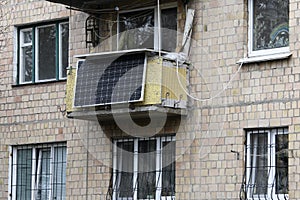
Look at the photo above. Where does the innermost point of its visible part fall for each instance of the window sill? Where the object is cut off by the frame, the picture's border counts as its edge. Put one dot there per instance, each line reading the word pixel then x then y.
pixel 264 58
pixel 39 83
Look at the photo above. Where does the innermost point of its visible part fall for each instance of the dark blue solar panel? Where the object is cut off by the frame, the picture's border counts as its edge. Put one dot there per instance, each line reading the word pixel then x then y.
pixel 110 79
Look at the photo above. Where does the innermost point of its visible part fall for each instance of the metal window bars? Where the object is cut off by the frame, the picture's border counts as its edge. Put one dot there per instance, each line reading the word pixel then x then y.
pixel 266 167
pixel 143 169
pixel 38 172
pixel 92 28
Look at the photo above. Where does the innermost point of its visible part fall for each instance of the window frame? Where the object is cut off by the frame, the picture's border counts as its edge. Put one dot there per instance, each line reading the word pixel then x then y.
pixel 156 23
pixel 271 159
pixel 34 43
pixel 22 44
pixel 35 167
pixel 264 52
pixel 60 41
pixel 158 168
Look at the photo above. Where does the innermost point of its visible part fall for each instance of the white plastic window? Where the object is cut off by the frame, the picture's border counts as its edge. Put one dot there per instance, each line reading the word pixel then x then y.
pixel 268 27
pixel 38 172
pixel 267 164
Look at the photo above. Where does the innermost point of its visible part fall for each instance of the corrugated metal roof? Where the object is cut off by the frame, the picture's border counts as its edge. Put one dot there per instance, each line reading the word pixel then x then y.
pixel 88 3
pixel 104 4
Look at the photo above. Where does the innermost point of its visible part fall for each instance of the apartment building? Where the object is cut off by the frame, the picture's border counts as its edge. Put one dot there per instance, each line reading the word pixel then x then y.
pixel 144 99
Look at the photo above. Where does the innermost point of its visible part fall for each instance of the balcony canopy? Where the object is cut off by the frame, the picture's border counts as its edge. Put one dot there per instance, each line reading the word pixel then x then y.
pixel 93 5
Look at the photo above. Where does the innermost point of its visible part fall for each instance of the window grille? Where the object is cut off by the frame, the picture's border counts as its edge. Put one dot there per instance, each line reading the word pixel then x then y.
pixel 39 172
pixel 266 171
pixel 143 169
pixel 92 31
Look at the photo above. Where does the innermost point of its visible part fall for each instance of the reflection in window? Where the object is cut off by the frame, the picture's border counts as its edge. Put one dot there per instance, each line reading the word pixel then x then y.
pixel 281 164
pixel 168 175
pixel 169 29
pixel 259 158
pixel 270 24
pixel 26 58
pixel 47 52
pixel 137 30
pixel 64 42
pixel 146 168
pixel 124 166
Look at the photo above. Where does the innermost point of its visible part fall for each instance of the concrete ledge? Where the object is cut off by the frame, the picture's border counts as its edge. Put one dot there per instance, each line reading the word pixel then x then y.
pixel 133 112
pixel 264 58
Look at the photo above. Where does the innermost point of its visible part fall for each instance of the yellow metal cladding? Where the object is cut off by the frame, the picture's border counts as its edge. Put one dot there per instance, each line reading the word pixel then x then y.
pixel 174 82
pixel 153 82
pixel 71 77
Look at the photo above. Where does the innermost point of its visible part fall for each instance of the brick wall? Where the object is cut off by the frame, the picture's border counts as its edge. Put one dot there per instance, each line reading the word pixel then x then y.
pixel 33 114
pixel 262 94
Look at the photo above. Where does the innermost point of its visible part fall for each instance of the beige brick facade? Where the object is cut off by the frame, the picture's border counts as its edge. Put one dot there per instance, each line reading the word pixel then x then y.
pixel 225 99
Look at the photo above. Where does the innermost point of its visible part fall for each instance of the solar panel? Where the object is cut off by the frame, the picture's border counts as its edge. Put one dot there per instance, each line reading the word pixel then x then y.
pixel 110 79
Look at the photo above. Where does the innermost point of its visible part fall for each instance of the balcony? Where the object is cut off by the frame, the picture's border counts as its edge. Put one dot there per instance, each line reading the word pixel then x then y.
pixel 132 73
pixel 135 82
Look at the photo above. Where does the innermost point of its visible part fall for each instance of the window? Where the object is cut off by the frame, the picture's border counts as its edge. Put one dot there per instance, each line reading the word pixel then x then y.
pixel 138 29
pixel 268 27
pixel 38 172
pixel 267 164
pixel 144 169
pixel 43 53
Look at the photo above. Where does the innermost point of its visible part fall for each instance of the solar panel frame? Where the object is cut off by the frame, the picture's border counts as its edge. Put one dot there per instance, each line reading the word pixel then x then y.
pixel 142 83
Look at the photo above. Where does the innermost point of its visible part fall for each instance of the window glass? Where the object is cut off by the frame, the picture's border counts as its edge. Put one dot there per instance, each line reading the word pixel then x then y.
pixel 27 37
pixel 64 32
pixel 27 63
pixel 24 171
pixel 125 169
pixel 270 24
pixel 59 178
pixel 136 30
pixel 169 29
pixel 26 55
pixel 139 29
pixel 146 168
pixel 168 175
pixel 259 157
pixel 282 164
pixel 43 53
pixel 266 164
pixel 43 174
pixel 39 172
pixel 47 52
